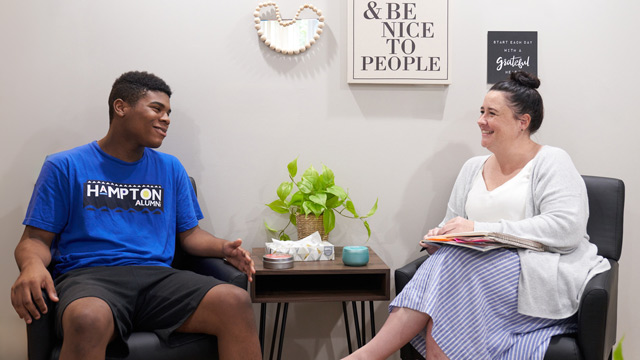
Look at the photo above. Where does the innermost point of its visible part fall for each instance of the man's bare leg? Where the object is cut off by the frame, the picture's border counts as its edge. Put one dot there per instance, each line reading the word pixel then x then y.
pixel 226 312
pixel 87 324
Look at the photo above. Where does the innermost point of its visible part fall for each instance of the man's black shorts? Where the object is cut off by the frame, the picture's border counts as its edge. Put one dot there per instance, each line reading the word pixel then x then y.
pixel 141 298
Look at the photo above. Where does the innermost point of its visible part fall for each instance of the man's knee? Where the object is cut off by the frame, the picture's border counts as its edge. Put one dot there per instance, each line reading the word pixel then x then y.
pixel 223 307
pixel 230 296
pixel 229 303
pixel 88 318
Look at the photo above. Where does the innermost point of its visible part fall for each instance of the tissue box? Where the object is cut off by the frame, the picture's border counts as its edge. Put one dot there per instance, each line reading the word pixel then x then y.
pixel 310 248
pixel 310 252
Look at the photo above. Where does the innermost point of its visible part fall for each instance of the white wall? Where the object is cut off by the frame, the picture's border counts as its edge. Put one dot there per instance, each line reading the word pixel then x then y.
pixel 242 112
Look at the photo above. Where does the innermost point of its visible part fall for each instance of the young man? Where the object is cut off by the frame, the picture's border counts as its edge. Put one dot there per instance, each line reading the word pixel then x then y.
pixel 107 214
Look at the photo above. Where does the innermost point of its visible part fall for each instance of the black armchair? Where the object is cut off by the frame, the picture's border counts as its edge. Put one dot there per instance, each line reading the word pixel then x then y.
pixel 43 343
pixel 597 314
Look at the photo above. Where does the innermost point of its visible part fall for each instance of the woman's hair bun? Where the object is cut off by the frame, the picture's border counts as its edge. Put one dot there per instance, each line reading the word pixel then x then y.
pixel 525 79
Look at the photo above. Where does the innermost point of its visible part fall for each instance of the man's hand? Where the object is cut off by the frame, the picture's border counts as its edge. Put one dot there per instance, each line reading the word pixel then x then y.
pixel 33 255
pixel 26 292
pixel 198 242
pixel 239 257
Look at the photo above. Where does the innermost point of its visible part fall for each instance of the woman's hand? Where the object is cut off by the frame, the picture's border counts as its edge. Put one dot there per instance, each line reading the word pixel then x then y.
pixel 431 248
pixel 433 232
pixel 456 225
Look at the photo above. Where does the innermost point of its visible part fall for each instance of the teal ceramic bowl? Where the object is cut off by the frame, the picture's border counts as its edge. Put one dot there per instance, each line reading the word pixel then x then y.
pixel 355 255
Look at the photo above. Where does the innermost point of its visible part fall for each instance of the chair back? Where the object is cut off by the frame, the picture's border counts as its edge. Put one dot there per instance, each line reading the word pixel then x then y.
pixel 606 214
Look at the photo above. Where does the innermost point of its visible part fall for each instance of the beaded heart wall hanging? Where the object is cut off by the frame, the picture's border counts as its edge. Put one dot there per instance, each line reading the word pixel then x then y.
pixel 289 37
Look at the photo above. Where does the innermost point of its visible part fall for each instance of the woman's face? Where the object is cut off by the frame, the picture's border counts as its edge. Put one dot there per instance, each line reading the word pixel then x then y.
pixel 498 123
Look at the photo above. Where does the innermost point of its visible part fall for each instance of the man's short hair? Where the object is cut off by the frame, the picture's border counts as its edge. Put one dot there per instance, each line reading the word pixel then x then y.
pixel 133 85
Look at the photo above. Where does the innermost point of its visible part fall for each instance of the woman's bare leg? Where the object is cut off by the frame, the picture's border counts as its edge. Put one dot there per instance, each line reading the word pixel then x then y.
pixel 433 350
pixel 402 325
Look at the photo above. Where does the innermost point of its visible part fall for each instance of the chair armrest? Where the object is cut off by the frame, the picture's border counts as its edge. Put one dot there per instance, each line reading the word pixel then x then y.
pixel 219 269
pixel 405 273
pixel 597 315
pixel 41 333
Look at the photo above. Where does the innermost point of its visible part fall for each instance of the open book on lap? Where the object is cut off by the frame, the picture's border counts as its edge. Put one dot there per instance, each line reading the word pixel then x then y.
pixel 484 241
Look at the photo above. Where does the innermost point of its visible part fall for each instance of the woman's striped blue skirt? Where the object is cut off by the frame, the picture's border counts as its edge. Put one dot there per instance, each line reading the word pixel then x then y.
pixel 472 297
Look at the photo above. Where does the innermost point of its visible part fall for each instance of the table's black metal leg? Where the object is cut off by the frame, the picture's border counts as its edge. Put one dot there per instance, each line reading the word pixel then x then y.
pixel 275 332
pixel 373 319
pixel 263 314
pixel 356 323
pixel 284 322
pixel 346 325
pixel 363 318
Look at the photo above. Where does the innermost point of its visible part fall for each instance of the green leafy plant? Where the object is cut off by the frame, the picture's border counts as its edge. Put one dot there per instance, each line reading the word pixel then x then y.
pixel 316 194
pixel 617 352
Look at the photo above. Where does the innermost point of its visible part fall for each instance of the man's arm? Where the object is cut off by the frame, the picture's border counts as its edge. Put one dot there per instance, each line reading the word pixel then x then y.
pixel 33 255
pixel 196 241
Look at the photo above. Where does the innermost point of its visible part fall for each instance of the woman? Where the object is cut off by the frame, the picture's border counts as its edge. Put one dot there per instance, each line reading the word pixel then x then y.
pixel 505 303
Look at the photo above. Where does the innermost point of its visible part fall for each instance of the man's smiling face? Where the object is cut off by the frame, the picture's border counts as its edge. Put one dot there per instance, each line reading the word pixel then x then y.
pixel 147 121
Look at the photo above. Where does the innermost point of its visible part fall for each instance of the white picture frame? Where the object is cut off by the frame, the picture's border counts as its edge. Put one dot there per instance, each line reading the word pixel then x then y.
pixel 397 42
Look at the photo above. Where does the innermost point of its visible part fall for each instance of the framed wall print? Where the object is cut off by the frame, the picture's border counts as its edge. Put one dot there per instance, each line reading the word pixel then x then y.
pixel 509 51
pixel 394 42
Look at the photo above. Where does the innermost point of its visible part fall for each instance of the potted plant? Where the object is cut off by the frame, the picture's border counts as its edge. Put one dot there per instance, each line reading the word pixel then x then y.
pixel 617 352
pixel 315 203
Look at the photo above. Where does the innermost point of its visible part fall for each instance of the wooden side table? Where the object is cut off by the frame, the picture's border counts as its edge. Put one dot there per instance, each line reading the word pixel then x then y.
pixel 320 281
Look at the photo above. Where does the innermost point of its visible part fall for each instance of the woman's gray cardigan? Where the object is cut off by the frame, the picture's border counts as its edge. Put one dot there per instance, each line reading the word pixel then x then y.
pixel 557 211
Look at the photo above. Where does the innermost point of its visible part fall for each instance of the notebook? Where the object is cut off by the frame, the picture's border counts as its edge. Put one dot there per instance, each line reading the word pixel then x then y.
pixel 484 241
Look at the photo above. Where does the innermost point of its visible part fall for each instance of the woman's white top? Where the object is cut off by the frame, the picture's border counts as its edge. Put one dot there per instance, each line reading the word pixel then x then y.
pixel 506 202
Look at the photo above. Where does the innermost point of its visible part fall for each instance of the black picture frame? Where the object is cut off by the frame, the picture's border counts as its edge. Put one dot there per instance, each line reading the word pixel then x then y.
pixel 509 51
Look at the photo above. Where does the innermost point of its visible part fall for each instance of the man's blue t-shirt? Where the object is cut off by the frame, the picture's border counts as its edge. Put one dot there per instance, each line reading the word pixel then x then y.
pixel 108 212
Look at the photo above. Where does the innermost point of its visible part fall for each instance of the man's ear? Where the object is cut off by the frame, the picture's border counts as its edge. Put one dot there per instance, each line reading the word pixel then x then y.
pixel 120 107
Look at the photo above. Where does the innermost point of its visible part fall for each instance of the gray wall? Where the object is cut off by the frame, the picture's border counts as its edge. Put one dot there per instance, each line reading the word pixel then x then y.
pixel 242 112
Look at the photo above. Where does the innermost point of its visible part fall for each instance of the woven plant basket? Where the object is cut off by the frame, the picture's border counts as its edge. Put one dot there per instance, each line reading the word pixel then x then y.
pixel 307 225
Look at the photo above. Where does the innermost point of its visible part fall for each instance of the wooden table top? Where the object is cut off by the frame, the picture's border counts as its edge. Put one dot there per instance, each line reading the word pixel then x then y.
pixel 321 280
pixel 375 265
